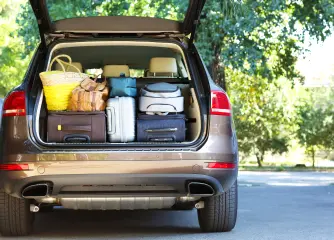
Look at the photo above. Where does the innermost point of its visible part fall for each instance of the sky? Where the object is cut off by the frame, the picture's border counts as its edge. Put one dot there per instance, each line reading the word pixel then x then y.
pixel 318 64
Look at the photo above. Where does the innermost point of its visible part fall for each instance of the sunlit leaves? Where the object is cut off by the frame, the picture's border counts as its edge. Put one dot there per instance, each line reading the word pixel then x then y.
pixel 264 113
pixel 12 63
pixel 263 38
pixel 316 123
pixel 28 28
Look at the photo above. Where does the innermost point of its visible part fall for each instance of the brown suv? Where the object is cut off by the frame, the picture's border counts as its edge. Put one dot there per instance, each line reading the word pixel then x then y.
pixel 200 172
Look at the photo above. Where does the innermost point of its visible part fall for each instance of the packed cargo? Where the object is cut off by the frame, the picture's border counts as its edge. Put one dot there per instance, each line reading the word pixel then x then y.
pixel 109 105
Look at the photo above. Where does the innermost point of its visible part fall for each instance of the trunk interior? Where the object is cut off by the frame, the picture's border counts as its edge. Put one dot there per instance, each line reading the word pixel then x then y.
pixel 137 56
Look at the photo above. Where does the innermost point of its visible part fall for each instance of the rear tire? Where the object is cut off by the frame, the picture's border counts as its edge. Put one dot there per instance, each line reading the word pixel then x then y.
pixel 15 216
pixel 220 212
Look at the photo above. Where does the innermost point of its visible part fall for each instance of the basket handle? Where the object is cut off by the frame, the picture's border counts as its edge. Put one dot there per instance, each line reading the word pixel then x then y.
pixel 62 63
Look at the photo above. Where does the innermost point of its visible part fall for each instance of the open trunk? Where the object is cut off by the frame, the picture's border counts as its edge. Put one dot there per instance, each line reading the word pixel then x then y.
pixel 136 55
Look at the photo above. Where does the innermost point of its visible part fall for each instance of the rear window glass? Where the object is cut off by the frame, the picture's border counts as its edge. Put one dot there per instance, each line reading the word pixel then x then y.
pixel 137 73
pixel 167 9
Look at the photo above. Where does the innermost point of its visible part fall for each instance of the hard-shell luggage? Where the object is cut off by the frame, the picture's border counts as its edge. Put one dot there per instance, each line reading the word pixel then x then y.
pixel 161 98
pixel 157 128
pixel 76 127
pixel 121 117
pixel 163 90
pixel 122 87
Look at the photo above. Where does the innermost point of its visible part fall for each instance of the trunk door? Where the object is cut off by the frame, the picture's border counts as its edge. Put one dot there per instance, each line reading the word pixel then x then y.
pixel 170 19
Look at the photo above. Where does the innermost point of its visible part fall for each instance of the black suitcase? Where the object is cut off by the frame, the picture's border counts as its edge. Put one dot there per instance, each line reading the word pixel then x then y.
pixel 161 128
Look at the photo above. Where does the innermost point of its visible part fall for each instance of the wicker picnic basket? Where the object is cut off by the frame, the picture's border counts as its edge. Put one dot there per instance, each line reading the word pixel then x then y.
pixel 58 85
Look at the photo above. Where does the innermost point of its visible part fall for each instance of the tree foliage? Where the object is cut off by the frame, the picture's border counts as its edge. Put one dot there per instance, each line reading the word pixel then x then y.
pixel 264 114
pixel 168 9
pixel 316 122
pixel 12 63
pixel 261 38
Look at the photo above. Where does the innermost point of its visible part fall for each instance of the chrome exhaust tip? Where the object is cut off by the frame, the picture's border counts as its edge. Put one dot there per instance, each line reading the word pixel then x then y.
pixel 40 190
pixel 200 189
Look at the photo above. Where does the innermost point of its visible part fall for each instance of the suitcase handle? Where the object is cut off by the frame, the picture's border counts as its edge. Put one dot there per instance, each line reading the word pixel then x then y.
pixel 111 120
pixel 165 104
pixel 78 128
pixel 161 130
pixel 76 138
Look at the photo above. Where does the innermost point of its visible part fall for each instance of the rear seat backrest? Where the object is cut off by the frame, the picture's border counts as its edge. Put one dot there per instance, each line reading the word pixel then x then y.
pixel 69 68
pixel 161 66
pixel 116 70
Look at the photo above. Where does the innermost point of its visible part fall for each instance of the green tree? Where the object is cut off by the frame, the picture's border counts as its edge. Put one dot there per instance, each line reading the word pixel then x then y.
pixel 261 38
pixel 168 9
pixel 12 62
pixel 58 9
pixel 310 130
pixel 316 121
pixel 263 113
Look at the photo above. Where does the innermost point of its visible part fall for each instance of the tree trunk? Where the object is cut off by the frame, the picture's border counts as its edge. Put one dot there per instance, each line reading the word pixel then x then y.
pixel 260 157
pixel 313 157
pixel 218 71
pixel 259 160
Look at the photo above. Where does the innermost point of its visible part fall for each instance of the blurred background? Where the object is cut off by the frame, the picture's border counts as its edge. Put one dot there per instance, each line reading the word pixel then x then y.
pixel 275 59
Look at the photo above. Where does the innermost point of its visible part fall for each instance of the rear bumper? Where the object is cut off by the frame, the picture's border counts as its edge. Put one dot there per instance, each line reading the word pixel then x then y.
pixel 84 179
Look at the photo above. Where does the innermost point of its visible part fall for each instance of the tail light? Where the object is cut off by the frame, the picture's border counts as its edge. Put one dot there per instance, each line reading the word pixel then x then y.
pixel 14 167
pixel 15 104
pixel 220 104
pixel 221 165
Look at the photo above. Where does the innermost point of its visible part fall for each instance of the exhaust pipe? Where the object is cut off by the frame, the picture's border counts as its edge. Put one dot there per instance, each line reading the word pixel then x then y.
pixel 36 191
pixel 200 189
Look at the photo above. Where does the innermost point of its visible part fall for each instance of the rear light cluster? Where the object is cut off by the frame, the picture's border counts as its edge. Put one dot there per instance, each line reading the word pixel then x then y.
pixel 14 167
pixel 220 104
pixel 15 104
pixel 221 165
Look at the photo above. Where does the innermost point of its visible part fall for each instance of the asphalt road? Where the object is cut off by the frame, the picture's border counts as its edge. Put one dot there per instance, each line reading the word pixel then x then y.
pixel 271 206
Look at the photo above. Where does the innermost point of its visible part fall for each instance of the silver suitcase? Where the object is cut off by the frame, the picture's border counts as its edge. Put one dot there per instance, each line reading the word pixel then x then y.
pixel 121 119
pixel 161 98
